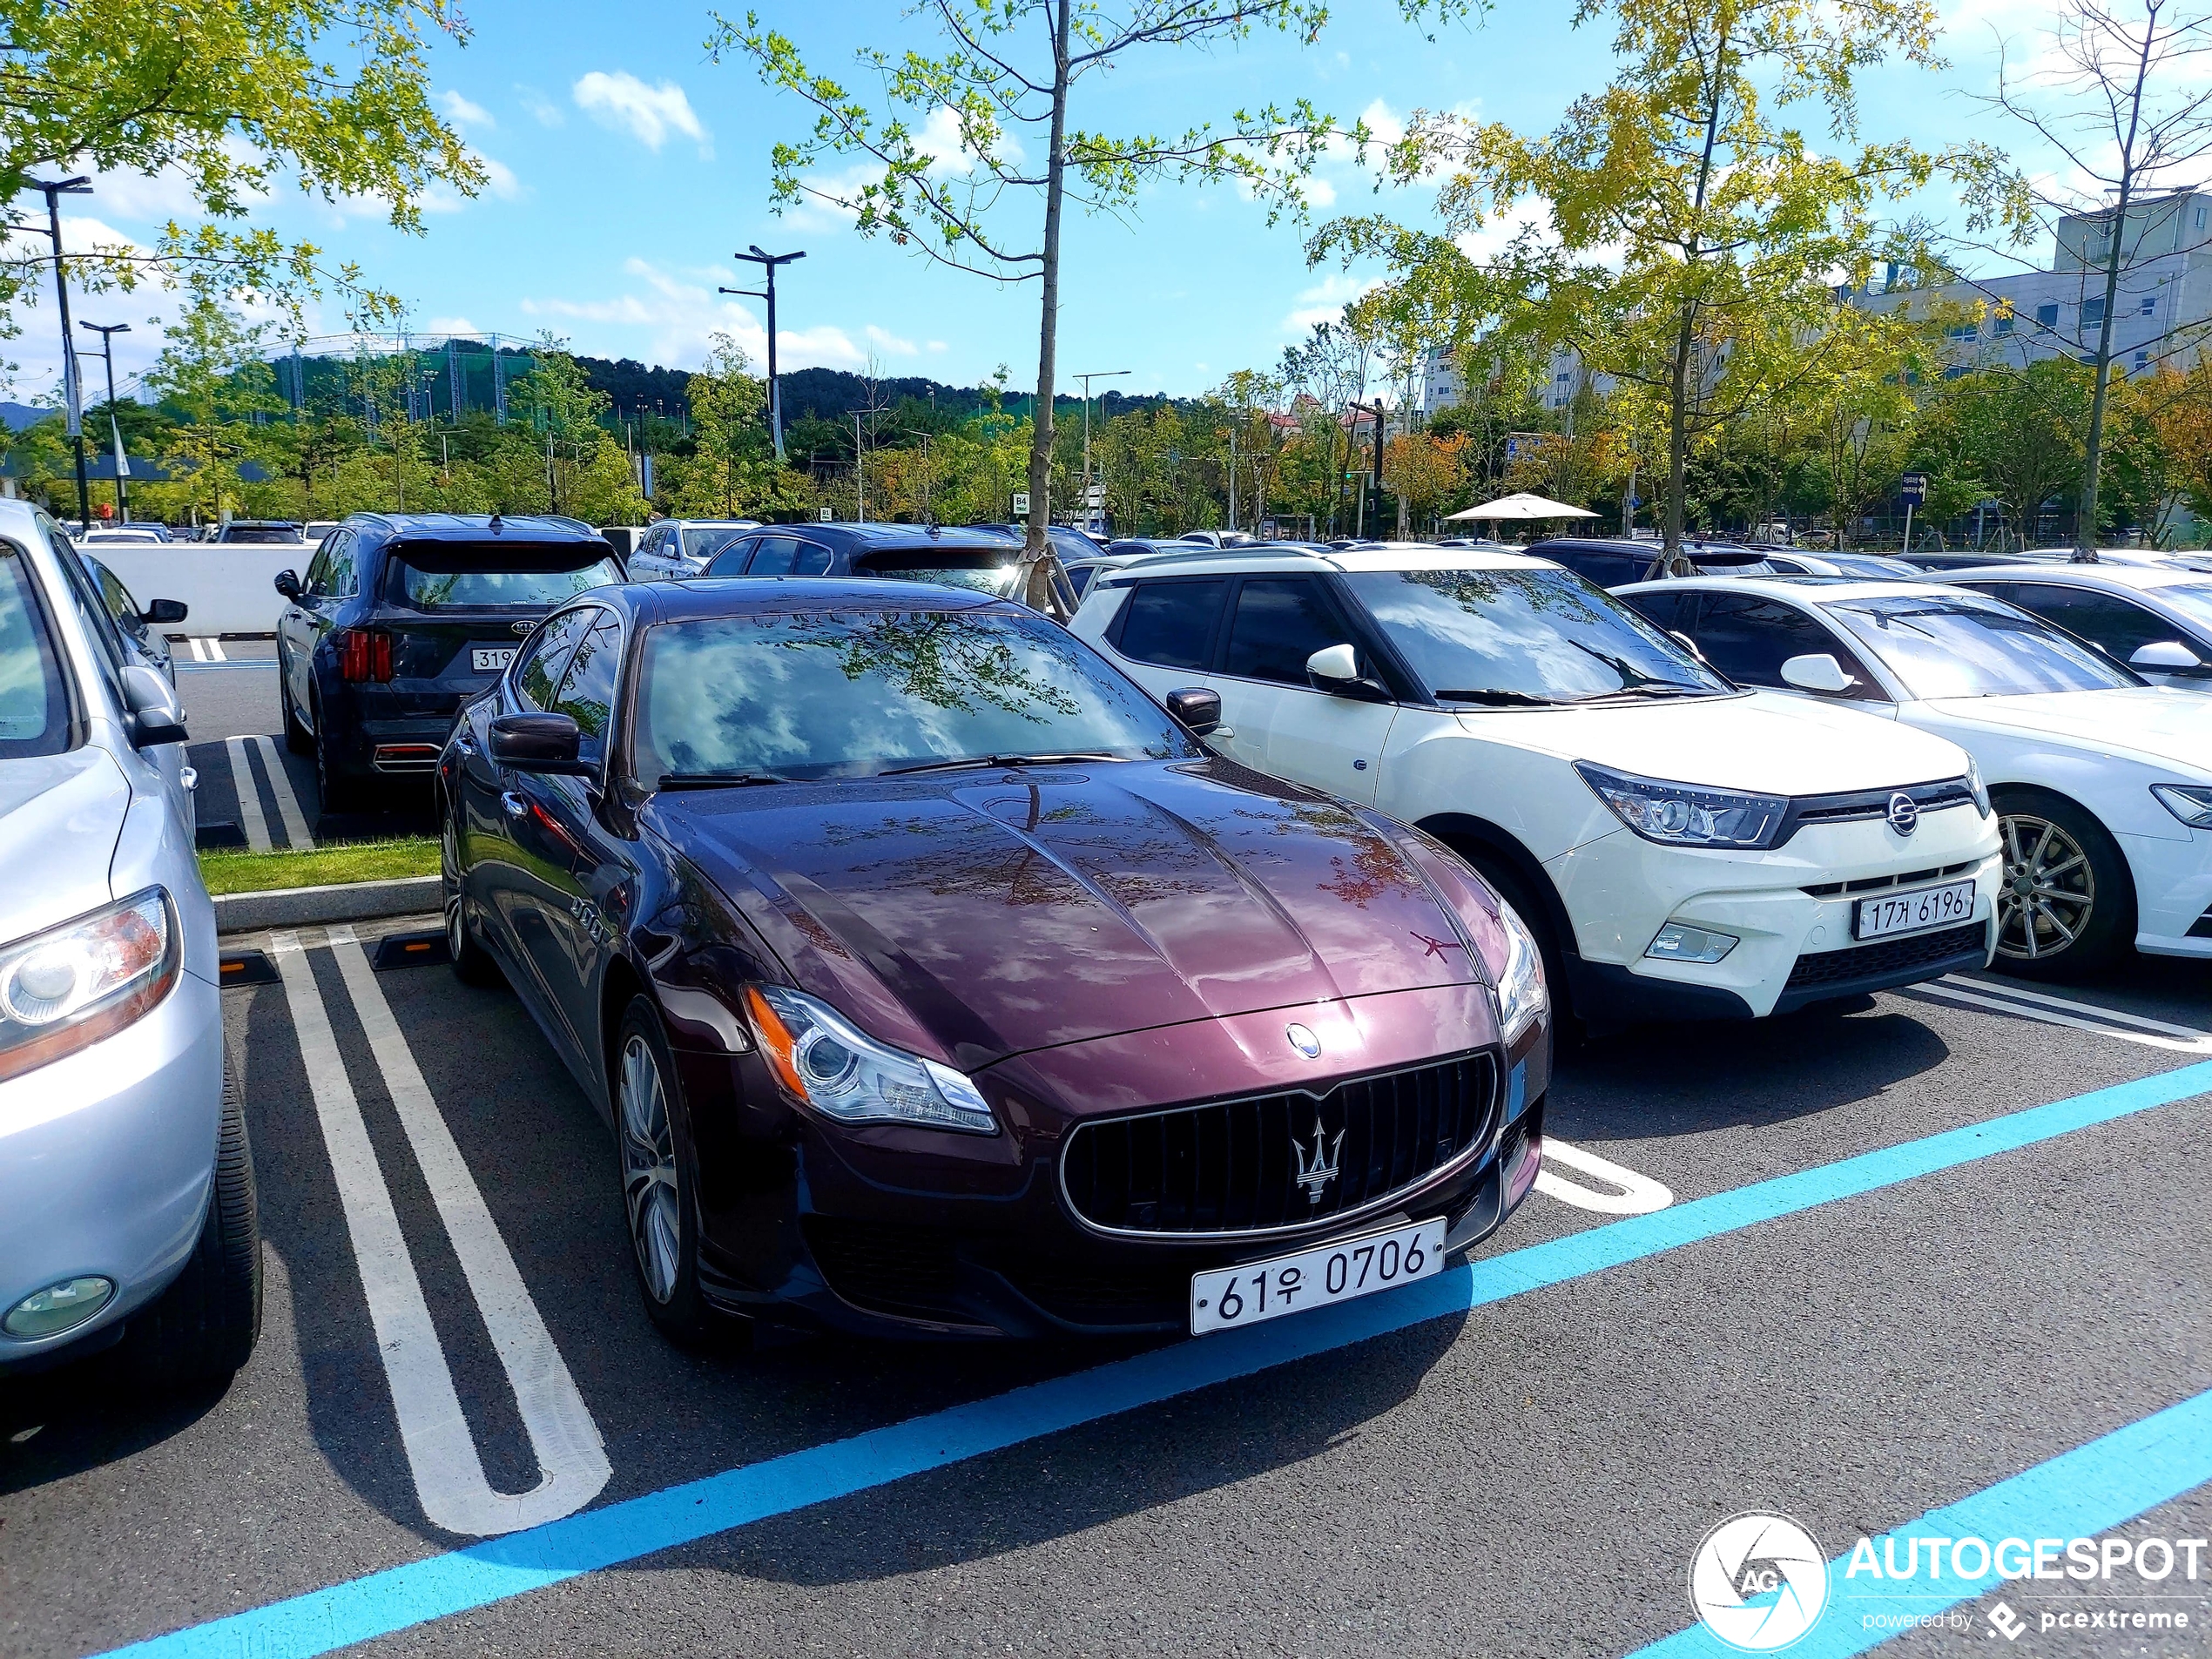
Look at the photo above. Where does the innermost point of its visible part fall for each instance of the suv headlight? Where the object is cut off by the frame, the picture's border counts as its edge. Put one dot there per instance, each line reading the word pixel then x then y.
pixel 2191 803
pixel 1975 787
pixel 1684 814
pixel 66 988
pixel 841 1071
pixel 1521 994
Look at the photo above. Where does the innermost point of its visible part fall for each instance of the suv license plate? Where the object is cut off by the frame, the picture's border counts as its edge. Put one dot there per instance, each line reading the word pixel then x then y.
pixel 1911 913
pixel 491 659
pixel 1333 1272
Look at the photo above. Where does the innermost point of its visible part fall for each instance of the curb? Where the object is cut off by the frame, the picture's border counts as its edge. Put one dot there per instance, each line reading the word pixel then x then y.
pixel 342 901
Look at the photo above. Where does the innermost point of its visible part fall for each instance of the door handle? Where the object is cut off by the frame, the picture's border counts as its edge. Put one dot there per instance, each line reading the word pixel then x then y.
pixel 188 778
pixel 461 743
pixel 514 804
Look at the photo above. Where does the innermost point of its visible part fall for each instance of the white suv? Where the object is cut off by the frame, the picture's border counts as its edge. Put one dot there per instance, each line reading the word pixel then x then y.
pixel 1683 848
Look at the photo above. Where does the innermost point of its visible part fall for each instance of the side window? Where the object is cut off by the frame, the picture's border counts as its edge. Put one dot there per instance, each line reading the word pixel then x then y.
pixel 2118 627
pixel 1667 608
pixel 773 556
pixel 1172 623
pixel 1606 569
pixel 120 604
pixel 91 610
pixel 344 574
pixel 810 560
pixel 1279 622
pixel 587 693
pixel 731 560
pixel 1749 639
pixel 317 585
pixel 537 672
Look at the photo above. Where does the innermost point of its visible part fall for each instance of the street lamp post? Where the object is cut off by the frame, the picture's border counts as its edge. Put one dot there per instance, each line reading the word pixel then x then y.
pixel 768 262
pixel 107 333
pixel 73 395
pixel 1095 375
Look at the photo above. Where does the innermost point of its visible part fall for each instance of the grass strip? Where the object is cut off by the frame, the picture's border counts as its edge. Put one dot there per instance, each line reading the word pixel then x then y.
pixel 229 870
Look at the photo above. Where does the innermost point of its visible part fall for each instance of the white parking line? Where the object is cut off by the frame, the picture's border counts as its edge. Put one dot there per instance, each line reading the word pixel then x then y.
pixel 441 1451
pixel 295 822
pixel 250 816
pixel 192 645
pixel 2024 1004
pixel 215 650
pixel 1639 1195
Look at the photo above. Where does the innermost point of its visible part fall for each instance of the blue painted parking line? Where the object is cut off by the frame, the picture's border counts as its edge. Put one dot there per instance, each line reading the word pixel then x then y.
pixel 439 1586
pixel 2080 1493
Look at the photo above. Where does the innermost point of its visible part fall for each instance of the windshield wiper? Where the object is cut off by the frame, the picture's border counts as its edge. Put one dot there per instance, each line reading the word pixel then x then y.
pixel 721 780
pixel 1499 699
pixel 1656 688
pixel 982 761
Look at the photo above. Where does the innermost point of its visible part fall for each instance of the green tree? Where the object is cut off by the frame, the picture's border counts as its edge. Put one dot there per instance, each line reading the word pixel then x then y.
pixel 2020 432
pixel 213 374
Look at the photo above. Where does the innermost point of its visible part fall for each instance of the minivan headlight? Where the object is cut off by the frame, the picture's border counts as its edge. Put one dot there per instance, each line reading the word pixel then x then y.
pixel 841 1071
pixel 1521 993
pixel 67 987
pixel 1684 814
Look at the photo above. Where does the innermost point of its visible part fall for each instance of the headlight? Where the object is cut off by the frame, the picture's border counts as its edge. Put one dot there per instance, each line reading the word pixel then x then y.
pixel 2191 803
pixel 1522 996
pixel 1683 815
pixel 1975 787
pixel 66 988
pixel 843 1073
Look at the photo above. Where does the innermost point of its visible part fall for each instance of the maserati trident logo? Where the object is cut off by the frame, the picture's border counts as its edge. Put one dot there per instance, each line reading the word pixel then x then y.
pixel 1304 1041
pixel 1904 813
pixel 1315 1173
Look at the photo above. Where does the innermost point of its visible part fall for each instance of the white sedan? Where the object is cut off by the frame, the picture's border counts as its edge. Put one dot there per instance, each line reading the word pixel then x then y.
pixel 2156 618
pixel 2102 784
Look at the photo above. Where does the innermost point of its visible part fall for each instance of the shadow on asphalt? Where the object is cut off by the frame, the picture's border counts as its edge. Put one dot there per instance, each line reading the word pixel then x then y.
pixel 59 1423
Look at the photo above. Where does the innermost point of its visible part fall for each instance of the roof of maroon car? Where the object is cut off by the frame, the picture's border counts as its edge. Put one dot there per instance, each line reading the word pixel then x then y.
pixel 741 595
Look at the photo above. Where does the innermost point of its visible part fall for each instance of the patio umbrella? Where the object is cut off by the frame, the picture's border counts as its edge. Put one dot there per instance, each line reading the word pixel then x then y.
pixel 1524 505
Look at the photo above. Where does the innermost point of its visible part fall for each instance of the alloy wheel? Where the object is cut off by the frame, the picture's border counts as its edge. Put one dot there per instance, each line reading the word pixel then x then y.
pixel 2049 890
pixel 649 1171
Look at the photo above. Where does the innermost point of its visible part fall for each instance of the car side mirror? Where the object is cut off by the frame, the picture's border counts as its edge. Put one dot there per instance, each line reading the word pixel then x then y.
pixel 1335 668
pixel 2169 655
pixel 287 584
pixel 1816 672
pixel 541 743
pixel 155 719
pixel 161 612
pixel 1196 708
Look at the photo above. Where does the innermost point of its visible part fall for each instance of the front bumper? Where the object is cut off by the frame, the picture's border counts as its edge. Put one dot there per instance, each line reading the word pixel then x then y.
pixel 106 1159
pixel 1786 907
pixel 2173 881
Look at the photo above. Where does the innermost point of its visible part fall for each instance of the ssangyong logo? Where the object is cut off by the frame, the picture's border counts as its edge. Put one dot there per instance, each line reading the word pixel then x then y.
pixel 1904 813
pixel 1758 1581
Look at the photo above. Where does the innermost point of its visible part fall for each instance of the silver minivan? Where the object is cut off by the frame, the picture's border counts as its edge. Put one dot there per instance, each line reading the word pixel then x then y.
pixel 127 1211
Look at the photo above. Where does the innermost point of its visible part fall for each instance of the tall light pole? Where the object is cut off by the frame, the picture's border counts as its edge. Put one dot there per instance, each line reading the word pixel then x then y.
pixel 107 333
pixel 1095 375
pixel 768 262
pixel 73 395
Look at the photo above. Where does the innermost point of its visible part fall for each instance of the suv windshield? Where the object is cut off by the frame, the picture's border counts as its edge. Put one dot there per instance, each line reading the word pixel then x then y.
pixel 1970 646
pixel 278 533
pixel 706 540
pixel 856 692
pixel 459 576
pixel 34 700
pixel 1508 638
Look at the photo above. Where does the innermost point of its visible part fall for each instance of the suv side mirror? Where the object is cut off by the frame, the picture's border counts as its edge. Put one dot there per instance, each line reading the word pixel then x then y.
pixel 1335 668
pixel 1196 708
pixel 155 718
pixel 1818 672
pixel 287 584
pixel 2165 655
pixel 541 743
pixel 161 612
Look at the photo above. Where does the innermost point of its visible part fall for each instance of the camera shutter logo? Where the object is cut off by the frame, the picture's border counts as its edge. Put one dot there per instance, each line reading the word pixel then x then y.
pixel 1758 1581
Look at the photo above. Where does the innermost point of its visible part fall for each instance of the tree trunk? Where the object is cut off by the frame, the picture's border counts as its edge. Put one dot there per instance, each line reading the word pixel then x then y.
pixel 1683 384
pixel 1042 578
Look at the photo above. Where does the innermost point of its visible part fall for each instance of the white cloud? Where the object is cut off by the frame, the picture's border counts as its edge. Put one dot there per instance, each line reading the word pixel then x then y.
pixel 936 345
pixel 547 112
pixel 940 139
pixel 1325 300
pixel 884 340
pixel 461 113
pixel 1384 123
pixel 647 113
pixel 677 316
pixel 452 326
pixel 1320 193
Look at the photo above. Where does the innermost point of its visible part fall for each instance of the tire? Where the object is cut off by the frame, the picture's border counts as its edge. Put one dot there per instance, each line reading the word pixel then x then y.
pixel 297 737
pixel 205 1326
pixel 656 1163
pixel 2067 908
pixel 472 963
pixel 336 791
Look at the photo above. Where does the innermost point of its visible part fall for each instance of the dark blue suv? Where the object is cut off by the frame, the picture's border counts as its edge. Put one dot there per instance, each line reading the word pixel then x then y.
pixel 404 616
pixel 981 559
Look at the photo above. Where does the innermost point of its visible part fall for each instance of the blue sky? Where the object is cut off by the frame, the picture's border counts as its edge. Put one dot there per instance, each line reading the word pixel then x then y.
pixel 627 169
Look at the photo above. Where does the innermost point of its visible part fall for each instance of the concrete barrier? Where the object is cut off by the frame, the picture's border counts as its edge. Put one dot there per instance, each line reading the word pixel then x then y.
pixel 228 586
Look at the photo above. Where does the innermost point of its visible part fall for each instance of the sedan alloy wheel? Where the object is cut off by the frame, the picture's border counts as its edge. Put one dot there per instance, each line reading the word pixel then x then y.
pixel 2049 893
pixel 648 1180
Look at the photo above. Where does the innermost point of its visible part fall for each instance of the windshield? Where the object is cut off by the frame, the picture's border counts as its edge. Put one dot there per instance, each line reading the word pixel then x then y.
pixel 1971 646
pixel 459 577
pixel 1507 637
pixel 2192 600
pixel 996 580
pixel 707 540
pixel 34 704
pixel 856 692
pixel 283 533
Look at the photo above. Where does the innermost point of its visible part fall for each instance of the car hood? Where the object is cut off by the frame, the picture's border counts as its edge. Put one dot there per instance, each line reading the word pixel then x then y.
pixel 2154 723
pixel 998 913
pixel 60 816
pixel 1768 742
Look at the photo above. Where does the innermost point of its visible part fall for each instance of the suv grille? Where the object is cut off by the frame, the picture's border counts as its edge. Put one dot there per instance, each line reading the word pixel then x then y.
pixel 1830 967
pixel 1236 1166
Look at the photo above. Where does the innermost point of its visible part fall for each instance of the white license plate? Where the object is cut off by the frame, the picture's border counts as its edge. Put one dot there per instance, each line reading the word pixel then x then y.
pixel 1909 912
pixel 491 659
pixel 1333 1272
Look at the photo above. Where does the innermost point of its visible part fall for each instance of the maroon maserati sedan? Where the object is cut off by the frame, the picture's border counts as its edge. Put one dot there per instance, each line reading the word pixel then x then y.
pixel 935 981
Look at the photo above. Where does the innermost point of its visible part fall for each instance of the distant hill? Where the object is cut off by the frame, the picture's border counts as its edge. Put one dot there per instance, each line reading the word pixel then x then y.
pixel 19 416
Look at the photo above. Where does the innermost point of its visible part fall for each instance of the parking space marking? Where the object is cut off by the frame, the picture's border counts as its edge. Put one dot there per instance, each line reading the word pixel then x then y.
pixel 418 1592
pixel 441 1451
pixel 295 822
pixel 2082 1493
pixel 1639 1195
pixel 2024 1004
pixel 252 820
pixel 206 648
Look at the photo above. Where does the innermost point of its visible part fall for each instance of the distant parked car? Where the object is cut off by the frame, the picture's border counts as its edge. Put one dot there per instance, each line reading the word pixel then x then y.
pixel 1612 562
pixel 315 528
pixel 404 616
pixel 676 549
pixel 122 535
pixel 1862 567
pixel 1971 559
pixel 140 629
pixel 127 1208
pixel 982 560
pixel 2156 619
pixel 261 530
pixel 1067 541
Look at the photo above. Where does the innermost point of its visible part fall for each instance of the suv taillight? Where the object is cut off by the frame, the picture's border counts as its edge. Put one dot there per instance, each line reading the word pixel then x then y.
pixel 365 654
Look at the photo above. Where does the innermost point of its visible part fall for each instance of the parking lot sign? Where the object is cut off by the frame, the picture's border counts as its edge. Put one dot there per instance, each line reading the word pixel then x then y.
pixel 1914 488
pixel 1020 503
